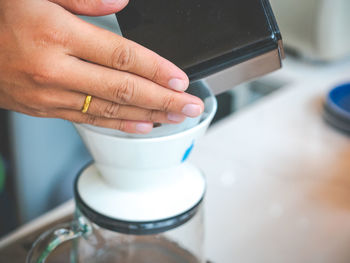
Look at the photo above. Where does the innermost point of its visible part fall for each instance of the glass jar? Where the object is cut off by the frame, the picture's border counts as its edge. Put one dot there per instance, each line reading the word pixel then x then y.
pixel 98 238
pixel 182 242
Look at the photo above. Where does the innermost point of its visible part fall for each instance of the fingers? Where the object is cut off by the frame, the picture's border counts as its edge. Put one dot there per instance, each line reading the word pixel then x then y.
pixel 127 89
pixel 106 109
pixel 92 7
pixel 122 125
pixel 108 49
pixel 56 103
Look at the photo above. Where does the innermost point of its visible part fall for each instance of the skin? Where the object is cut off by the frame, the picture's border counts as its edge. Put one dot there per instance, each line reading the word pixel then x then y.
pixel 50 60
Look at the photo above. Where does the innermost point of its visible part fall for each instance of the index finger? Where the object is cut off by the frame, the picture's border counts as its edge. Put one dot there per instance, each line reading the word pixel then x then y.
pixel 108 49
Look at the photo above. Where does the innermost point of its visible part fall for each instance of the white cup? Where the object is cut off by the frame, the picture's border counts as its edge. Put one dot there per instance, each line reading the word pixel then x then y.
pixel 126 160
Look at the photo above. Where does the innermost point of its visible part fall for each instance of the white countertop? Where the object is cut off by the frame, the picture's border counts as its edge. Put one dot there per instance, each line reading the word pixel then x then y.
pixel 278 180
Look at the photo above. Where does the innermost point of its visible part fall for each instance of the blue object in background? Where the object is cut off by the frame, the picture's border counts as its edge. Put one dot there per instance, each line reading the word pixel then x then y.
pixel 338 100
pixel 337 107
pixel 48 154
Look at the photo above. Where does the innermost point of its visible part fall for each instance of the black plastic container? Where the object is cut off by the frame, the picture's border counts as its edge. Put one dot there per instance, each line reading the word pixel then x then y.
pixel 204 37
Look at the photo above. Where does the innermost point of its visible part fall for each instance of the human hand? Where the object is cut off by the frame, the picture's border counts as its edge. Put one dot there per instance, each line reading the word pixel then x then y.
pixel 50 60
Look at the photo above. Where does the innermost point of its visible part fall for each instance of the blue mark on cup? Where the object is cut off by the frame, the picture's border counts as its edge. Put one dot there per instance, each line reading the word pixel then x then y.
pixel 187 152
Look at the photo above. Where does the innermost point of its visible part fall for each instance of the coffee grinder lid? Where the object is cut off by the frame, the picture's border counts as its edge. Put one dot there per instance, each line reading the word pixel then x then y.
pixel 139 212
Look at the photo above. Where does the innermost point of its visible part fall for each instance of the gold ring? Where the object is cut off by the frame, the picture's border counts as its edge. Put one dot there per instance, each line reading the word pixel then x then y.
pixel 86 104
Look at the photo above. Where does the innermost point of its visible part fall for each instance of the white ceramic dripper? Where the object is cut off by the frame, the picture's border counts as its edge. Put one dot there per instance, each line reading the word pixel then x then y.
pixel 146 178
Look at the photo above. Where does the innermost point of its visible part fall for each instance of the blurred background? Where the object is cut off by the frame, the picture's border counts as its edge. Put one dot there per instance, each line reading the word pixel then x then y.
pixel 39 158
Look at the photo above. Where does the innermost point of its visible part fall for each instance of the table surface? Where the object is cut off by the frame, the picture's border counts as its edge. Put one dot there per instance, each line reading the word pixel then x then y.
pixel 278 181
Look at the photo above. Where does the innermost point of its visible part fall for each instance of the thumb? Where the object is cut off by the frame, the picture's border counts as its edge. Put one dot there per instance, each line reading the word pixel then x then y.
pixel 92 7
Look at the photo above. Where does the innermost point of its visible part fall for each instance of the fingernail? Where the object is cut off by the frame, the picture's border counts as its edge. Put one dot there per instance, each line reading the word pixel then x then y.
pixel 192 110
pixel 175 117
pixel 144 127
pixel 177 84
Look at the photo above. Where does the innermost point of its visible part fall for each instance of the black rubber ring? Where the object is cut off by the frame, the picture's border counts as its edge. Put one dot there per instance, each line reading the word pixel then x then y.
pixel 131 227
